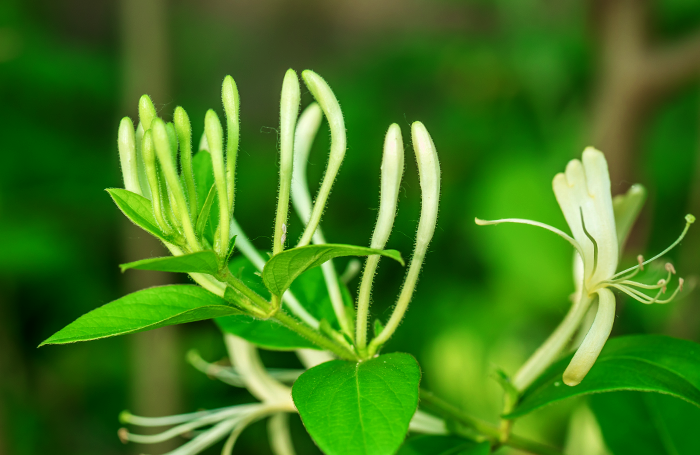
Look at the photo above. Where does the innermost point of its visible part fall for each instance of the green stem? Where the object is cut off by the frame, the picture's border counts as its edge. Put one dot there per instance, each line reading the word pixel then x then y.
pixel 315 337
pixel 492 432
pixel 238 285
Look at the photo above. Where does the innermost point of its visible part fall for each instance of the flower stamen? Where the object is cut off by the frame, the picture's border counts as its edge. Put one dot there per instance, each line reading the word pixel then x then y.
pixel 689 219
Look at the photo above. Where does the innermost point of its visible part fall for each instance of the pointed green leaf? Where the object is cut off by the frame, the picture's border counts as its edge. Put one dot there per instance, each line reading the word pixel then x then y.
pixel 203 172
pixel 231 245
pixel 204 214
pixel 635 423
pixel 145 310
pixel 645 363
pixel 139 210
pixel 443 445
pixel 281 270
pixel 266 334
pixel 359 408
pixel 199 262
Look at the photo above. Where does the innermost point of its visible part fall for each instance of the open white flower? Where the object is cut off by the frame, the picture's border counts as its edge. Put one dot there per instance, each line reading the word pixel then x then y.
pixel 599 225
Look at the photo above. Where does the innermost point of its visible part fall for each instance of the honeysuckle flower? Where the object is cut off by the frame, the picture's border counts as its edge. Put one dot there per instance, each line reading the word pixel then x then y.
pixel 228 422
pixel 599 225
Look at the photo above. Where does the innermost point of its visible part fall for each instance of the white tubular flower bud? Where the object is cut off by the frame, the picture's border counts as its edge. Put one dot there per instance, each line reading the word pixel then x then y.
pixel 307 128
pixel 215 139
pixel 231 101
pixel 184 135
pixel 289 110
pixel 429 172
pixel 162 139
pixel 392 171
pixel 328 102
pixel 149 160
pixel 143 179
pixel 127 156
pixel 147 112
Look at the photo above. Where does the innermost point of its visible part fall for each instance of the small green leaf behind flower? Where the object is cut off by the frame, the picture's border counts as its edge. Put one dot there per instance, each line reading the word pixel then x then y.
pixel 199 262
pixel 282 269
pixel 644 363
pixel 139 210
pixel 145 310
pixel 309 289
pixel 359 408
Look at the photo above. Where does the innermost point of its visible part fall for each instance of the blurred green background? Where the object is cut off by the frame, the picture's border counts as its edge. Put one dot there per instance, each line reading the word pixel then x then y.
pixel 509 90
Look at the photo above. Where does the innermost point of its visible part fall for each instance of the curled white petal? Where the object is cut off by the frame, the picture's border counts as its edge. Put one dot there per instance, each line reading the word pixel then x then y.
pixel 591 346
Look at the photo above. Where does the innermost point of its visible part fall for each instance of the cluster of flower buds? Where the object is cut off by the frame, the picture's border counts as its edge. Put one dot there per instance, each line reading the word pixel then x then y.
pixel 150 154
pixel 149 158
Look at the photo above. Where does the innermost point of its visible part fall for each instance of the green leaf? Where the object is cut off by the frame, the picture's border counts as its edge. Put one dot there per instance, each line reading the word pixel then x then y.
pixel 267 334
pixel 203 216
pixel 139 210
pixel 443 445
pixel 359 408
pixel 231 244
pixel 204 182
pixel 636 423
pixel 311 291
pixel 203 172
pixel 200 262
pixel 645 363
pixel 145 310
pixel 282 269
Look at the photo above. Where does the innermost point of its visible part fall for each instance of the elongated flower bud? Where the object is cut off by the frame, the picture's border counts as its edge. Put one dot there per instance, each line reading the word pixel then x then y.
pixel 392 171
pixel 307 128
pixel 429 170
pixel 429 173
pixel 215 139
pixel 289 110
pixel 149 160
pixel 231 101
pixel 331 108
pixel 127 156
pixel 162 138
pixel 147 112
pixel 184 135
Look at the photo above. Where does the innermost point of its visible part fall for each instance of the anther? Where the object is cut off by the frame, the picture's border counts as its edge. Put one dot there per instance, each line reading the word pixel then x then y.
pixel 662 283
pixel 640 260
pixel 123 434
pixel 680 284
pixel 670 268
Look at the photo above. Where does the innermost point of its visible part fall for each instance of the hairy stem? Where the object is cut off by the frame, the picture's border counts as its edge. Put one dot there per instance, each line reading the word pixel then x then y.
pixel 315 337
pixel 488 430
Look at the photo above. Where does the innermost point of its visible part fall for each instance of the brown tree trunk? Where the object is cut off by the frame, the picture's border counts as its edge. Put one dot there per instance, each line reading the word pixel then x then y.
pixel 155 383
